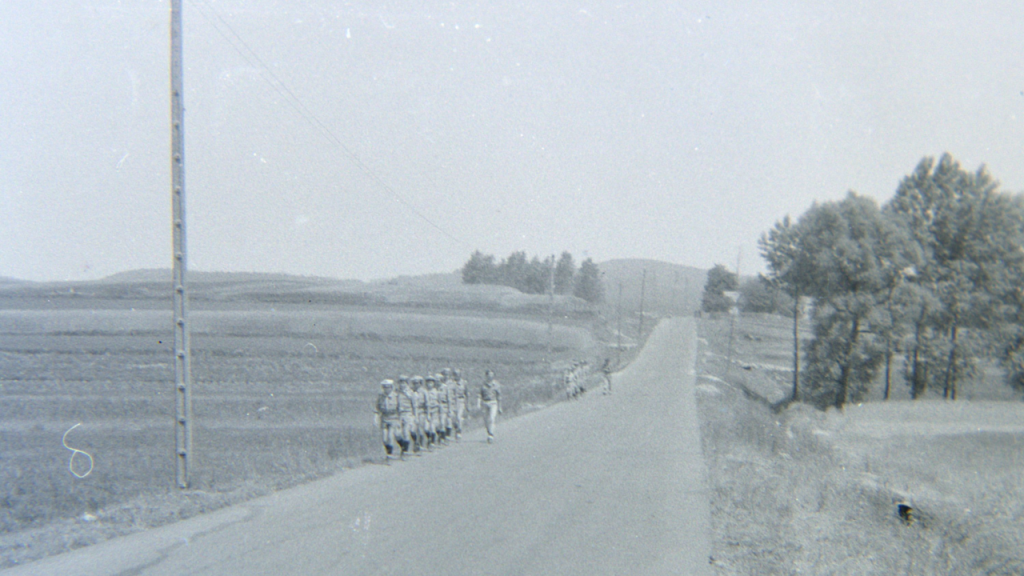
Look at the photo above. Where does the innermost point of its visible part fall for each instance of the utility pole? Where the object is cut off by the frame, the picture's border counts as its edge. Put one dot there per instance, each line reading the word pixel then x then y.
pixel 618 329
pixel 732 314
pixel 643 285
pixel 182 345
pixel 654 292
pixel 686 295
pixel 675 295
pixel 551 306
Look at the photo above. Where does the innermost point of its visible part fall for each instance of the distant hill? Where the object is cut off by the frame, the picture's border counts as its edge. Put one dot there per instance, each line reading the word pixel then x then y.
pixel 151 289
pixel 437 280
pixel 669 289
pixel 152 275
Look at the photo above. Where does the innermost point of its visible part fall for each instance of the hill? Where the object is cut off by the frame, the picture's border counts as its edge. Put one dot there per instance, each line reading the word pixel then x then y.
pixel 669 289
pixel 154 275
pixel 436 280
pixel 6 281
pixel 151 289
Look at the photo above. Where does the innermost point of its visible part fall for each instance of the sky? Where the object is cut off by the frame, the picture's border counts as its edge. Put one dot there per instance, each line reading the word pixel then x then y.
pixel 373 139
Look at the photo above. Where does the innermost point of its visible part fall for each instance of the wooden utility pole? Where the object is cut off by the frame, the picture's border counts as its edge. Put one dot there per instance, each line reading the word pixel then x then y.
pixel 551 306
pixel 654 292
pixel 733 313
pixel 182 345
pixel 643 286
pixel 618 329
pixel 675 295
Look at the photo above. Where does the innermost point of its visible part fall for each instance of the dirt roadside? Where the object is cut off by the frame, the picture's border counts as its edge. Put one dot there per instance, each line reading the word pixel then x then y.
pixel 806 492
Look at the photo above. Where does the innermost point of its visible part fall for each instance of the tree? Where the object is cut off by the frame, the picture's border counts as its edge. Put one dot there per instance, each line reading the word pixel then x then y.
pixel 514 271
pixel 789 269
pixel 479 269
pixel 531 276
pixel 855 255
pixel 588 283
pixel 759 295
pixel 966 232
pixel 1008 285
pixel 719 281
pixel 565 273
pixel 538 275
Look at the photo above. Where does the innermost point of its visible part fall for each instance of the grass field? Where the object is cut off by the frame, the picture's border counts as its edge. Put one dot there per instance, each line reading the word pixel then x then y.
pixel 762 361
pixel 804 491
pixel 280 397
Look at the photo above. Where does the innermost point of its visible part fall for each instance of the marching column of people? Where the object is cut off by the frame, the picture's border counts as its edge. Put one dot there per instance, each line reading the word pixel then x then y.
pixel 575 380
pixel 425 412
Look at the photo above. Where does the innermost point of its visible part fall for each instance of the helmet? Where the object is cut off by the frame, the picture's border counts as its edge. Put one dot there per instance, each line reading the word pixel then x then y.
pixel 439 377
pixel 403 378
pixel 456 373
pixel 446 372
pixel 430 379
pixel 387 383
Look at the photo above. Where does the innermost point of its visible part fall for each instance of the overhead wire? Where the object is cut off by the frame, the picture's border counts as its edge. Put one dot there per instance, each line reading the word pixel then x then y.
pixel 250 55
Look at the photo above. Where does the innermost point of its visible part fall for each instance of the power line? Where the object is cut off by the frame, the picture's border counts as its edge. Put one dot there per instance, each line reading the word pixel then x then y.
pixel 249 55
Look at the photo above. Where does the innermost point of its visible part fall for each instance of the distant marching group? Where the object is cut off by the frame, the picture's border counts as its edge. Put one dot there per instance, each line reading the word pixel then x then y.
pixel 574 379
pixel 427 412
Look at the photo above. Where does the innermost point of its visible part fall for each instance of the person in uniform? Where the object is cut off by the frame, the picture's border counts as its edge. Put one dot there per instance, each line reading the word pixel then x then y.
pixel 606 370
pixel 444 422
pixel 449 387
pixel 386 416
pixel 406 415
pixel 433 411
pixel 461 397
pixel 490 401
pixel 580 377
pixel 420 397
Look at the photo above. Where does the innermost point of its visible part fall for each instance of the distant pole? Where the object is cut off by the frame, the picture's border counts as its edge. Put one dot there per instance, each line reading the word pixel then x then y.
pixel 551 306
pixel 643 286
pixel 182 345
pixel 675 295
pixel 618 329
pixel 686 294
pixel 654 292
pixel 732 315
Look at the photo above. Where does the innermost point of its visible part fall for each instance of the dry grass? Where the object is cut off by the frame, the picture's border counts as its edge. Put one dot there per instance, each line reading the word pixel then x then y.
pixel 803 491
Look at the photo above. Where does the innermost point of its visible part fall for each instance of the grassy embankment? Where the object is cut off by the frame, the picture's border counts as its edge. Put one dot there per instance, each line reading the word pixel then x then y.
pixel 802 491
pixel 280 397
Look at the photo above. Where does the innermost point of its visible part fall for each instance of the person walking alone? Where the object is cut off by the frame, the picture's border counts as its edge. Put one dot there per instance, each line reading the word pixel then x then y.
pixel 490 401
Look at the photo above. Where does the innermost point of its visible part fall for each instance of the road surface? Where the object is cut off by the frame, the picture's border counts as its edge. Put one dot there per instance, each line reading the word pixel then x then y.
pixel 606 485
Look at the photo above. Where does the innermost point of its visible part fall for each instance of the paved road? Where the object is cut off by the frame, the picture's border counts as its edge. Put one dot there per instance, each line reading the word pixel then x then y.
pixel 607 485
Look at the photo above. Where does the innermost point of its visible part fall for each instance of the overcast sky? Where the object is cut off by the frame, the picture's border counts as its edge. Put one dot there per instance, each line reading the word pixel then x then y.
pixel 677 131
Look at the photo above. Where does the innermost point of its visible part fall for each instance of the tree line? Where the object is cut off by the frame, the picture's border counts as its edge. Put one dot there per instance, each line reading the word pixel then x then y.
pixel 935 276
pixel 536 276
